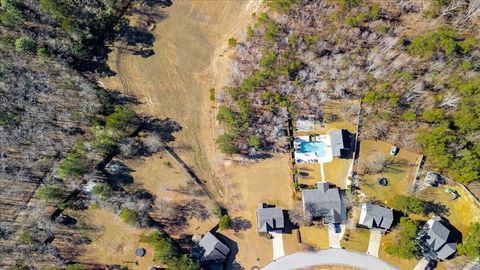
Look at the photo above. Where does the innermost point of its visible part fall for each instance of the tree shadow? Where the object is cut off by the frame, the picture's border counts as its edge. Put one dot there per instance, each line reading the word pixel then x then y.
pixel 435 208
pixel 241 224
pixel 164 128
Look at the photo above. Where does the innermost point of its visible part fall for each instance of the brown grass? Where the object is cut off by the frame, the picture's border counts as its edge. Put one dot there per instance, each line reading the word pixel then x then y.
pixel 400 176
pixel 316 237
pixel 336 172
pixel 114 242
pixel 314 174
pixel 461 212
pixel 248 185
pixel 358 239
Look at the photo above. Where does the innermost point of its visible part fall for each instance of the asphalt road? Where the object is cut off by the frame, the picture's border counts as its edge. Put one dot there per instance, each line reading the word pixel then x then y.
pixel 329 257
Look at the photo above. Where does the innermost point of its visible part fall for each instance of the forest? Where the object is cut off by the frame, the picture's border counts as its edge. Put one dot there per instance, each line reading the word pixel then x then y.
pixel 59 128
pixel 418 82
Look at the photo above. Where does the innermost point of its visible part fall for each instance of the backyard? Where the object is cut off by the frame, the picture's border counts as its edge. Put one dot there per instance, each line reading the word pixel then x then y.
pixel 309 173
pixel 399 171
pixel 336 172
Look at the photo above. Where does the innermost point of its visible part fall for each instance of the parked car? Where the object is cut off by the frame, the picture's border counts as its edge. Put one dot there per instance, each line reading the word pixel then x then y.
pixel 393 150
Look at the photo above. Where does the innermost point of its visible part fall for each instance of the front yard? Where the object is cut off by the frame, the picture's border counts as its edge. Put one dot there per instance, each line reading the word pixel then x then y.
pixel 316 237
pixel 356 239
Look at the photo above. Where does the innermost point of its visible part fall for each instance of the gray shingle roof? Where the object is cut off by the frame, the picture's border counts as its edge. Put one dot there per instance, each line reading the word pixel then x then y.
pixel 328 203
pixel 436 238
pixel 339 141
pixel 376 216
pixel 214 250
pixel 269 218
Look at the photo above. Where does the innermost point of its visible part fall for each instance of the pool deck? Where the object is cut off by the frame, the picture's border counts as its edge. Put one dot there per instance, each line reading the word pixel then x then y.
pixel 311 157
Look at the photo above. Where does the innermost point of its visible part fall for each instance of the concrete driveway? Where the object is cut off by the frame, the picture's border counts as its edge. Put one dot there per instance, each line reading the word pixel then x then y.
pixel 277 243
pixel 374 242
pixel 421 264
pixel 334 238
pixel 329 257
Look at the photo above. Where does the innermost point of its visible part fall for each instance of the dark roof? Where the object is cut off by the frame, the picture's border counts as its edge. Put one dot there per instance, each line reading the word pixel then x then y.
pixel 340 141
pixel 269 218
pixel 214 250
pixel 436 238
pixel 140 252
pixel 376 216
pixel 328 203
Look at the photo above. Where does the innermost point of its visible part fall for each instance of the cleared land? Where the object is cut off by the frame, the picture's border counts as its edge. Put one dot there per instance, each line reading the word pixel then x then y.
pixel 399 172
pixel 114 242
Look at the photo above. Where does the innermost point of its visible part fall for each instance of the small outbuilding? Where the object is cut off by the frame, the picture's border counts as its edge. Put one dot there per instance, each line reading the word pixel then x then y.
pixel 374 216
pixel 269 218
pixel 434 179
pixel 341 143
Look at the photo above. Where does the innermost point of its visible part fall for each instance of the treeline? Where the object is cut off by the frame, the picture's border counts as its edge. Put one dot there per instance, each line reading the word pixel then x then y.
pixel 419 89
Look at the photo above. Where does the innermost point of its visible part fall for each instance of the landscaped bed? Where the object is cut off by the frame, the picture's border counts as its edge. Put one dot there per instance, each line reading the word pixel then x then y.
pixel 399 172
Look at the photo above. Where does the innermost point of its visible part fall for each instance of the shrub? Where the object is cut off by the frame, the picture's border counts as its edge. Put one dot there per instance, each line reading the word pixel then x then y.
pixel 226 144
pixel 26 238
pixel 442 40
pixel 75 267
pixel 49 192
pixel 103 191
pixel 471 244
pixel 281 6
pixel 232 42
pixel 25 44
pixel 212 94
pixel 72 166
pixel 433 115
pixel 346 5
pixel 405 245
pixel 255 141
pixel 409 115
pixel 225 222
pixel 250 32
pixel 408 204
pixel 371 15
pixel 130 217
pixel 119 121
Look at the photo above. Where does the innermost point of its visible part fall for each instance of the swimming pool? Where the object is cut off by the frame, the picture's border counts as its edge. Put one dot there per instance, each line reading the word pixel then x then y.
pixel 318 148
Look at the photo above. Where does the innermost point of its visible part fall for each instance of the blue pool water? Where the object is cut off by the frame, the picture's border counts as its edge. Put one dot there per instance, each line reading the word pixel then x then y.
pixel 316 147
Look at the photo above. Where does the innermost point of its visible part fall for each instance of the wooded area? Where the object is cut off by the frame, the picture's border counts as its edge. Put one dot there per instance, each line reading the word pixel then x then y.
pixel 417 81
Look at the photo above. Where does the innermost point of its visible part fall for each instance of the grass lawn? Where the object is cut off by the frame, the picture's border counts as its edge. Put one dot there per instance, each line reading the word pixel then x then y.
pixel 113 242
pixel 309 173
pixel 403 264
pixel 316 237
pixel 290 243
pixel 336 171
pixel 461 212
pixel 356 239
pixel 400 174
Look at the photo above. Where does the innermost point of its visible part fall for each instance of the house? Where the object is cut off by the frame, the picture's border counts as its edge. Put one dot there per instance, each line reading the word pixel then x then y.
pixel 325 202
pixel 438 239
pixel 341 143
pixel 376 216
pixel 269 218
pixel 211 251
